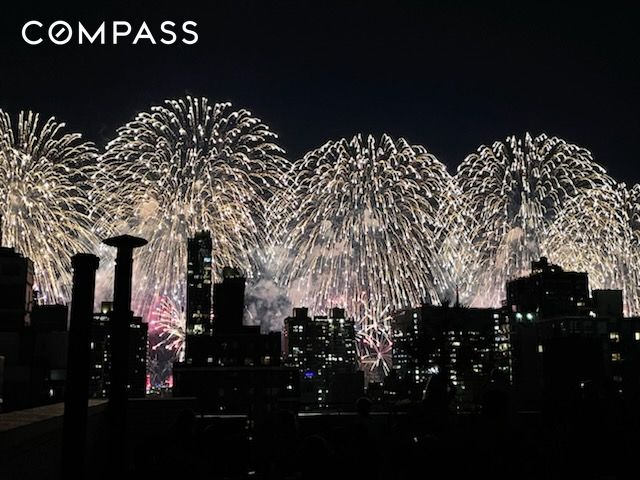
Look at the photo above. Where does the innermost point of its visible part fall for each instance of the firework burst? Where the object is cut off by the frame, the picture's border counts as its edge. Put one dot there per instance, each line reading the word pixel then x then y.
pixel 168 326
pixel 533 197
pixel 375 346
pixel 45 180
pixel 166 340
pixel 184 167
pixel 362 224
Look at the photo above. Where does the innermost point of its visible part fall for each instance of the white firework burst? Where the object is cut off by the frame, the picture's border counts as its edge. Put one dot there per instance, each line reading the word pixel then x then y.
pixel 45 182
pixel 538 196
pixel 363 227
pixel 184 167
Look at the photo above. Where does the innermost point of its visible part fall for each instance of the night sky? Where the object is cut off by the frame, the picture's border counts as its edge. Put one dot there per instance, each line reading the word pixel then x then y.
pixel 446 76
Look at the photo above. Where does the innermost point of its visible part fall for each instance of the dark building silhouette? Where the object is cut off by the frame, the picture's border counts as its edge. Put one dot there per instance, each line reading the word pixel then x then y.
pixel 557 340
pixel 230 343
pixel 607 303
pixel 454 341
pixel 100 367
pixel 16 290
pixel 50 317
pixel 33 339
pixel 323 349
pixel 35 359
pixel 49 359
pixel 234 367
pixel 228 302
pixel 547 292
pixel 199 284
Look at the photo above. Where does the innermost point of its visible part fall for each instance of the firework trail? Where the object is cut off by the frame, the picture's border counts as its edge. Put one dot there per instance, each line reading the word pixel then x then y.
pixel 45 180
pixel 533 197
pixel 183 167
pixel 374 344
pixel 363 227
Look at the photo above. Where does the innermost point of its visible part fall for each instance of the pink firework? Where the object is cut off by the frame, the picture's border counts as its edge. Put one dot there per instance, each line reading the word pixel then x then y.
pixel 375 348
pixel 167 325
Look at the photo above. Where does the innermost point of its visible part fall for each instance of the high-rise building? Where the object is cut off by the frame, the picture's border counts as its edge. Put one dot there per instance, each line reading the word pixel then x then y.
pixel 16 343
pixel 234 367
pixel 323 349
pixel 199 284
pixel 100 368
pixel 229 342
pixel 35 359
pixel 454 341
pixel 547 292
pixel 297 352
pixel 558 340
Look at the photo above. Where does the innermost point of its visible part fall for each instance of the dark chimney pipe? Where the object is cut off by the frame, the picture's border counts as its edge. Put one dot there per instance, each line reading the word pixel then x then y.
pixel 78 359
pixel 120 321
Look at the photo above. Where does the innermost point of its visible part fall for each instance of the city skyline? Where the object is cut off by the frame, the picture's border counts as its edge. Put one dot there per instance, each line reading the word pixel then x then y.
pixel 340 226
pixel 300 240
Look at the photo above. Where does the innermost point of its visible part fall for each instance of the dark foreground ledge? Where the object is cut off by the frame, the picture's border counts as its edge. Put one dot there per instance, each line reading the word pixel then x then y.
pixel 30 440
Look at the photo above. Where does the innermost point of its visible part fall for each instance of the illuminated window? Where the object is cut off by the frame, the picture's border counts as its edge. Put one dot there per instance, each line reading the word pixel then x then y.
pixel 615 357
pixel 637 336
pixel 540 349
pixel 614 337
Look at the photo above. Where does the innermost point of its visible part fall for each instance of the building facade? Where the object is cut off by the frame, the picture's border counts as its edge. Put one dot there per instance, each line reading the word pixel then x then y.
pixel 560 343
pixel 199 284
pixel 232 367
pixel 455 342
pixel 323 349
pixel 100 368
